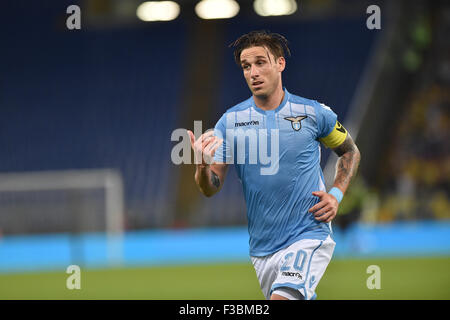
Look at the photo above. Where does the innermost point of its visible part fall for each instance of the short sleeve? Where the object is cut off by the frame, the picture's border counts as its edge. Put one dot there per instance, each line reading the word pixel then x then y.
pixel 330 132
pixel 326 120
pixel 223 154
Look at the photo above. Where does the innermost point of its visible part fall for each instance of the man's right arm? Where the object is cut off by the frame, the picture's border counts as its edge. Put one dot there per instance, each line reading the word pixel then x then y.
pixel 209 176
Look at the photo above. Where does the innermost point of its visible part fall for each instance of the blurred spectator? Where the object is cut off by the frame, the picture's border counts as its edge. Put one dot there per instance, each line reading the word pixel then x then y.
pixel 419 162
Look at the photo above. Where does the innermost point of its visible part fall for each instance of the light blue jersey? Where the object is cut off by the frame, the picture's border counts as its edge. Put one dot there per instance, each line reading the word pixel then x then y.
pixel 278 184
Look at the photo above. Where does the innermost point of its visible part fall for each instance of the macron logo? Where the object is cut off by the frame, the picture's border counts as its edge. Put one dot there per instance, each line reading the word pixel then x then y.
pixel 248 123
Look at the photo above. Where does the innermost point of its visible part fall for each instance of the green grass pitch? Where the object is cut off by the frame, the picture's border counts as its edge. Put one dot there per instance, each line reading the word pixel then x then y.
pixel 406 278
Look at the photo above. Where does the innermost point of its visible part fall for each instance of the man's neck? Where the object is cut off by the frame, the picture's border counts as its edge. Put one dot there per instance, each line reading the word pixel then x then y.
pixel 271 102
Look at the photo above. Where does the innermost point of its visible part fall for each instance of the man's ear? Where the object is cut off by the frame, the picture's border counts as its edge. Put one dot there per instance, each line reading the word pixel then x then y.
pixel 281 63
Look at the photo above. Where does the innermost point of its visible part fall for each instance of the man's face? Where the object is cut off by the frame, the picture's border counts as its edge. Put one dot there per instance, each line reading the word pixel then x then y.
pixel 261 71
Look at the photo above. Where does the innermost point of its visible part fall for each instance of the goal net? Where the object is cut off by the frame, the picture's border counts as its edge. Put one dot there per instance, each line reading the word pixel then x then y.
pixel 69 201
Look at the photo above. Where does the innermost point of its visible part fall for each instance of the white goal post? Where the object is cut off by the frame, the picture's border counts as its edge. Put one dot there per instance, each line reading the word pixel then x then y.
pixel 108 180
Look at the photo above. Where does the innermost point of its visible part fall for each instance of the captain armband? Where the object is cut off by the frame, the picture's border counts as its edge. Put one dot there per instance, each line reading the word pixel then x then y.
pixel 336 137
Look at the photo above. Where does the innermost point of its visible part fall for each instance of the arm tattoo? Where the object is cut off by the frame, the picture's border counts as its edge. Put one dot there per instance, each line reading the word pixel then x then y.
pixel 215 179
pixel 347 163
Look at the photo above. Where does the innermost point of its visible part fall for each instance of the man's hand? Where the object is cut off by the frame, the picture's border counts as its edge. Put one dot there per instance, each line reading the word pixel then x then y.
pixel 204 147
pixel 209 176
pixel 326 209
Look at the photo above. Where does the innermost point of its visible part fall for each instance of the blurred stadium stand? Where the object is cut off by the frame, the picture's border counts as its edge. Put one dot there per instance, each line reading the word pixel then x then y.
pixel 406 149
pixel 110 95
pixel 100 98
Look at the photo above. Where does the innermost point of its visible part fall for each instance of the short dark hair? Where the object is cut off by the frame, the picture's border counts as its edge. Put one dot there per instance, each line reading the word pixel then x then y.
pixel 276 43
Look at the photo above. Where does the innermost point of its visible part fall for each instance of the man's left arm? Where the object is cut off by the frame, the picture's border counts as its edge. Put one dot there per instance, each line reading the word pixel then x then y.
pixel 347 165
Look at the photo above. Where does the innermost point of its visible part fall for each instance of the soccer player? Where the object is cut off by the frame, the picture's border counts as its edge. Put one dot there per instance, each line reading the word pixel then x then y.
pixel 289 211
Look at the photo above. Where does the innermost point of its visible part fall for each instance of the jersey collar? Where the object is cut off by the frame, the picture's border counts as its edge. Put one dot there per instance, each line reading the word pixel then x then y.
pixel 285 99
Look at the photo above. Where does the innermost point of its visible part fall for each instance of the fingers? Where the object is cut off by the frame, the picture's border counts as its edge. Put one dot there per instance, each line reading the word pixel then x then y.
pixel 210 150
pixel 198 144
pixel 326 215
pixel 209 144
pixel 319 193
pixel 317 206
pixel 331 216
pixel 326 209
pixel 202 139
pixel 212 144
pixel 207 134
pixel 320 212
pixel 207 141
pixel 205 146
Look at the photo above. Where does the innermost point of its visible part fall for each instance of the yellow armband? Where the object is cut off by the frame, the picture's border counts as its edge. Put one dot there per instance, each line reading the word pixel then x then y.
pixel 336 136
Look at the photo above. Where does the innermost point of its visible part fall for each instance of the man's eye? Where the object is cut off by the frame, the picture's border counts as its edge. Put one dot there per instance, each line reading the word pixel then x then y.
pixel 245 67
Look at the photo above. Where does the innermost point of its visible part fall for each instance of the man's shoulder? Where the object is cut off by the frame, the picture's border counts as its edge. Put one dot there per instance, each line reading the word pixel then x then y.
pixel 301 100
pixel 241 106
pixel 313 106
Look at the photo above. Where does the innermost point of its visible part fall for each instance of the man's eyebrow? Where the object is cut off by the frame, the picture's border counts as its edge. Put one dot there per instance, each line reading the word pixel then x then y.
pixel 257 57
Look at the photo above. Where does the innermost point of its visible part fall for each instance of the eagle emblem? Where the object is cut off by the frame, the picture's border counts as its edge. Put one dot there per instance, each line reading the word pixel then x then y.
pixel 295 121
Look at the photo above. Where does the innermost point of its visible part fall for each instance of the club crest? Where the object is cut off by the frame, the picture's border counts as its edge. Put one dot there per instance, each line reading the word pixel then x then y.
pixel 295 121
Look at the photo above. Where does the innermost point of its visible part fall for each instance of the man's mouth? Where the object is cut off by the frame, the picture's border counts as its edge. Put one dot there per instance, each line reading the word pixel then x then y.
pixel 257 83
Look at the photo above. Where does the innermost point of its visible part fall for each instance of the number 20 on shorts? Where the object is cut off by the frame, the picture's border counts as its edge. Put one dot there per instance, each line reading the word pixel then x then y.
pixel 299 261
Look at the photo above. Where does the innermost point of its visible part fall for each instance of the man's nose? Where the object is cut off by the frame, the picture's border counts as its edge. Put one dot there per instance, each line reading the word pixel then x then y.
pixel 254 72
